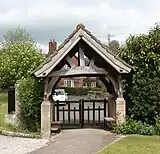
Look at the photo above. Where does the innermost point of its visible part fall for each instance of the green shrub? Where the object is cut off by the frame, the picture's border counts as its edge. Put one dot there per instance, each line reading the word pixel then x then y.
pixel 157 128
pixel 134 127
pixel 145 97
pixel 146 129
pixel 30 97
pixel 76 91
pixel 142 52
pixel 80 91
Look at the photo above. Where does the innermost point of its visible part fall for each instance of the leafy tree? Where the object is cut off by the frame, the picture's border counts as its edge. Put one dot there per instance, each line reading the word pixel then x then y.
pixel 114 46
pixel 143 53
pixel 15 36
pixel 109 36
pixel 19 59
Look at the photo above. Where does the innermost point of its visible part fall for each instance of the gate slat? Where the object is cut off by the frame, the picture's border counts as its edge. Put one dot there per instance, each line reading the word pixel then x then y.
pixel 88 115
pixel 94 112
pixel 82 101
pixel 63 116
pixel 74 115
pixel 80 113
pixel 69 113
pixel 105 101
pixel 87 112
pixel 99 114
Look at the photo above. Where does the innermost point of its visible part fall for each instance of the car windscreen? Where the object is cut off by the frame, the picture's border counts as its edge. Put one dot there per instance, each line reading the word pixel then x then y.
pixel 59 93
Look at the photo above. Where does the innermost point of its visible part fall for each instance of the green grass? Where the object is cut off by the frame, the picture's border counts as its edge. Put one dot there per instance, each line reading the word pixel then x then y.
pixel 3 112
pixel 135 144
pixel 3 108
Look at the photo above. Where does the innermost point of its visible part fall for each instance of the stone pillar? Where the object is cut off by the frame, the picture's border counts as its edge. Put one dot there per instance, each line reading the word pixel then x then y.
pixel 46 118
pixel 112 106
pixel 120 110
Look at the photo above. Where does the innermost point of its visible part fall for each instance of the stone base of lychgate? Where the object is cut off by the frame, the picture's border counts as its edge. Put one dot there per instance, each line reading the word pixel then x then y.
pixel 46 118
pixel 120 111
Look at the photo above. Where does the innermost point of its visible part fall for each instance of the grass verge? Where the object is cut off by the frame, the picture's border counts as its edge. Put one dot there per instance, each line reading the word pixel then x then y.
pixel 135 144
pixel 3 110
pixel 6 129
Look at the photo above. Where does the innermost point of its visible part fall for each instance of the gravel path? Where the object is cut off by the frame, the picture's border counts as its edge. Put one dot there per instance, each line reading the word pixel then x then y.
pixel 79 141
pixel 16 145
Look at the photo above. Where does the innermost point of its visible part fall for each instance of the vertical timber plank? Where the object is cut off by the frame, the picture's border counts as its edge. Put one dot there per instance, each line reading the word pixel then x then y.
pixel 99 114
pixel 74 115
pixel 88 115
pixel 63 116
pixel 94 112
pixel 69 113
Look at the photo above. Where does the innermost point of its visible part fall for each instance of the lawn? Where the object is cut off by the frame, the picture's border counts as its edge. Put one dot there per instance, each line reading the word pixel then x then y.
pixel 3 108
pixel 3 112
pixel 135 144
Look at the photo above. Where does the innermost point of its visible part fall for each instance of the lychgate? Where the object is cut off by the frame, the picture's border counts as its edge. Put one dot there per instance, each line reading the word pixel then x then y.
pixel 102 63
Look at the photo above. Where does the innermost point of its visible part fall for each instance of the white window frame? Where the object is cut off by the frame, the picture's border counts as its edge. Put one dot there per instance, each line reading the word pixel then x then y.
pixel 66 66
pixel 71 83
pixel 93 84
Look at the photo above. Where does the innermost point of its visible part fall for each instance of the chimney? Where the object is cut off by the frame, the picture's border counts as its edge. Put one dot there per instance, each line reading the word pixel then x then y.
pixel 52 47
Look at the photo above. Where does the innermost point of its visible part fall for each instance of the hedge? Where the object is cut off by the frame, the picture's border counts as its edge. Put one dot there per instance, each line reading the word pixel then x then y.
pixel 30 97
pixel 81 91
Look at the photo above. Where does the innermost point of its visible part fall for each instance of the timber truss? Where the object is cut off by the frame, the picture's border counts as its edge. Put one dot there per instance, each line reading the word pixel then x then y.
pixel 102 62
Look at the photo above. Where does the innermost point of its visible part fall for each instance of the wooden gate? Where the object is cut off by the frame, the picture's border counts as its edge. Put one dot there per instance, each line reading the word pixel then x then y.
pixel 81 113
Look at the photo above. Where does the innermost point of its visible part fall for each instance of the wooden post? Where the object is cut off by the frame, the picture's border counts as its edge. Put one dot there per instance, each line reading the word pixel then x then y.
pixel 105 101
pixel 82 109
pixel 120 91
pixel 81 57
pixel 57 110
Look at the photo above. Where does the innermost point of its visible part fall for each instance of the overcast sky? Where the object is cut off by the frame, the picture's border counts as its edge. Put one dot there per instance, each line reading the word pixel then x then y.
pixel 47 19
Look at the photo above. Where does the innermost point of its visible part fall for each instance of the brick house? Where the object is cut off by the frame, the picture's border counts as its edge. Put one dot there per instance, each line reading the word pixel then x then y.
pixel 78 82
pixel 72 81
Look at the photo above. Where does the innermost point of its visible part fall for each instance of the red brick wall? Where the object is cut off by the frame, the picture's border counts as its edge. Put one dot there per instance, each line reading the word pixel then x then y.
pixel 75 60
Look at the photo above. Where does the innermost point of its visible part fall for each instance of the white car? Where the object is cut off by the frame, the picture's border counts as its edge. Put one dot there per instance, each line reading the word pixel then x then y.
pixel 60 95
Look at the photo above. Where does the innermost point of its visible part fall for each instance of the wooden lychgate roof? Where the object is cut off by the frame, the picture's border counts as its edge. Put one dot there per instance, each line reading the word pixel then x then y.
pixel 81 33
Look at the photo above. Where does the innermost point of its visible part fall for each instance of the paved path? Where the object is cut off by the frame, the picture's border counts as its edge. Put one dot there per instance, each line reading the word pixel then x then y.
pixel 78 141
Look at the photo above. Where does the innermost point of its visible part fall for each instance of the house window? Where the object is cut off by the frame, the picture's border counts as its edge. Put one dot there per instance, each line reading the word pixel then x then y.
pixel 69 83
pixel 66 66
pixel 85 85
pixel 77 80
pixel 93 84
